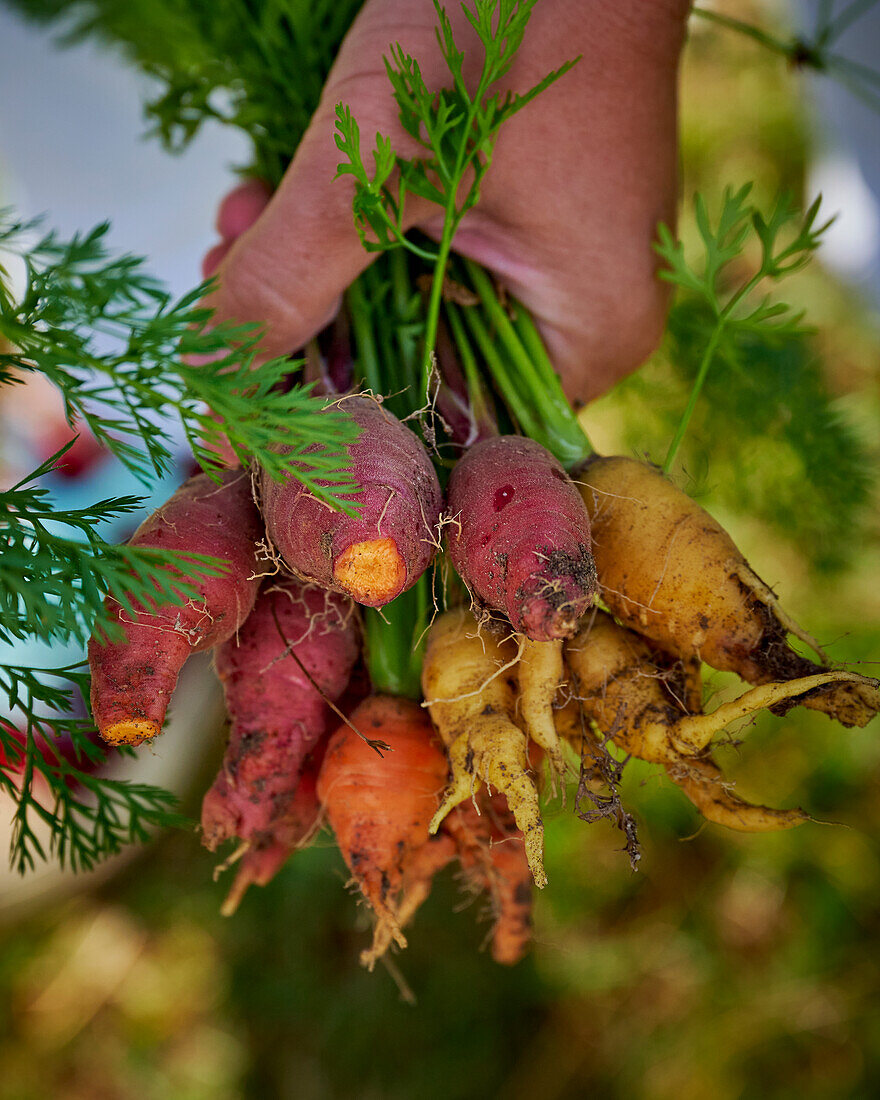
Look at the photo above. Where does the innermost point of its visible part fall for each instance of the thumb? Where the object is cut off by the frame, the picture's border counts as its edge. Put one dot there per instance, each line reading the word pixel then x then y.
pixel 288 270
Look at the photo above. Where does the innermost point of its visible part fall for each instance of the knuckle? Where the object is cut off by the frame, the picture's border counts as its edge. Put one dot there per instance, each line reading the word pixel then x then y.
pixel 249 292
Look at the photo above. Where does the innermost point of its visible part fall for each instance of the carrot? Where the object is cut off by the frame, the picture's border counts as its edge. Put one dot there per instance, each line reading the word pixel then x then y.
pixel 133 680
pixel 670 571
pixel 259 864
pixel 472 703
pixel 295 651
pixel 648 703
pixel 493 857
pixel 520 536
pixel 539 673
pixel 379 807
pixel 422 865
pixel 379 553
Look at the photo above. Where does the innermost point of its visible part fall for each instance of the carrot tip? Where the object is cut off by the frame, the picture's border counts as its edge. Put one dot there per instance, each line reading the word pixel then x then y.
pixel 243 880
pixel 130 731
pixel 542 621
pixel 371 572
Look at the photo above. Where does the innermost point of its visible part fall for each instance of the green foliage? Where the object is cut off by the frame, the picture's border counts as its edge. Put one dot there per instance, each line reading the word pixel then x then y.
pixel 256 65
pixel 48 771
pixel 456 128
pixel 52 585
pixel 785 243
pixel 116 346
pixel 126 359
pixel 767 413
pixel 813 51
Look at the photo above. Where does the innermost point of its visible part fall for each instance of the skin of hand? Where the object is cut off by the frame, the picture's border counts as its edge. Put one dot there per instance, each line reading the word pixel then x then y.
pixel 568 210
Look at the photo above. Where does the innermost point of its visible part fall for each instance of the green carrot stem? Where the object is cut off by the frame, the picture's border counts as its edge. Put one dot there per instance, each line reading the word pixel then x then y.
pixel 367 354
pixel 703 370
pixel 407 310
pixel 432 318
pixel 514 397
pixel 778 45
pixel 395 641
pixel 483 414
pixel 389 368
pixel 530 385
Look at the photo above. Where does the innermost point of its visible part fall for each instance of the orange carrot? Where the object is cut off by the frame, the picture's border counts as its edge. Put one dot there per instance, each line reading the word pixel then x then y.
pixel 380 806
pixel 493 857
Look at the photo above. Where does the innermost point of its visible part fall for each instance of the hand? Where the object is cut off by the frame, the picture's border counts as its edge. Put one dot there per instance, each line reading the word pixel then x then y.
pixel 569 207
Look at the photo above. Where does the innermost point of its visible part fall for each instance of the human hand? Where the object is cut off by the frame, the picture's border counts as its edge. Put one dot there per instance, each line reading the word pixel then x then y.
pixel 569 208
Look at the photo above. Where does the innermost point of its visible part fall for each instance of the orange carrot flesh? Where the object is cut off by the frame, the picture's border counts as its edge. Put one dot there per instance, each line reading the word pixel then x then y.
pixel 372 572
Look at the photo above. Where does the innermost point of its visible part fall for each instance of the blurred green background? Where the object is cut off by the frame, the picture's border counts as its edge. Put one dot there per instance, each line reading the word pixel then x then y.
pixel 728 966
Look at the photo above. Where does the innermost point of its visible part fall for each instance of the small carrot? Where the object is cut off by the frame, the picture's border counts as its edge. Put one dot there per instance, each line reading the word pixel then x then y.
pixel 260 863
pixel 295 651
pixel 493 857
pixel 470 695
pixel 648 703
pixel 519 536
pixel 133 680
pixel 379 807
pixel 384 549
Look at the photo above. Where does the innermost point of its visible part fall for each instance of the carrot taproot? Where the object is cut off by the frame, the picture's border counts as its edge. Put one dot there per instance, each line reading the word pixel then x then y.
pixel 294 652
pixel 258 864
pixel 539 673
pixel 379 807
pixel 519 536
pixel 467 680
pixel 384 549
pixel 133 679
pixel 670 571
pixel 493 857
pixel 648 703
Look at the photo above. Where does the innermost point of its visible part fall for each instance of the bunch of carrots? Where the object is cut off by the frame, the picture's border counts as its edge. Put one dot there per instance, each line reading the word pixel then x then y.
pixel 520 667
pixel 575 597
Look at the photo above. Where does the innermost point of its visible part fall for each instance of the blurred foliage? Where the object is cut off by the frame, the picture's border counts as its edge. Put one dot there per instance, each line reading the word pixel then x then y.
pixel 729 966
pixel 767 439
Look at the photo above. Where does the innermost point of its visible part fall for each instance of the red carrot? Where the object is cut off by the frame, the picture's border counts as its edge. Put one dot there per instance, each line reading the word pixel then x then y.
pixel 295 651
pixel 133 680
pixel 493 857
pixel 296 829
pixel 520 536
pixel 382 551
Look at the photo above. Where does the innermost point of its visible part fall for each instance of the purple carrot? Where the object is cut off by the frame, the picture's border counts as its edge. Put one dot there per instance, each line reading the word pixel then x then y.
pixel 385 548
pixel 295 651
pixel 519 536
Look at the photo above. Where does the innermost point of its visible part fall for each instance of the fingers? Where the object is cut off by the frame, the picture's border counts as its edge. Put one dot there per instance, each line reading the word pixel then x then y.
pixel 241 208
pixel 579 181
pixel 236 214
pixel 291 266
pixel 214 257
